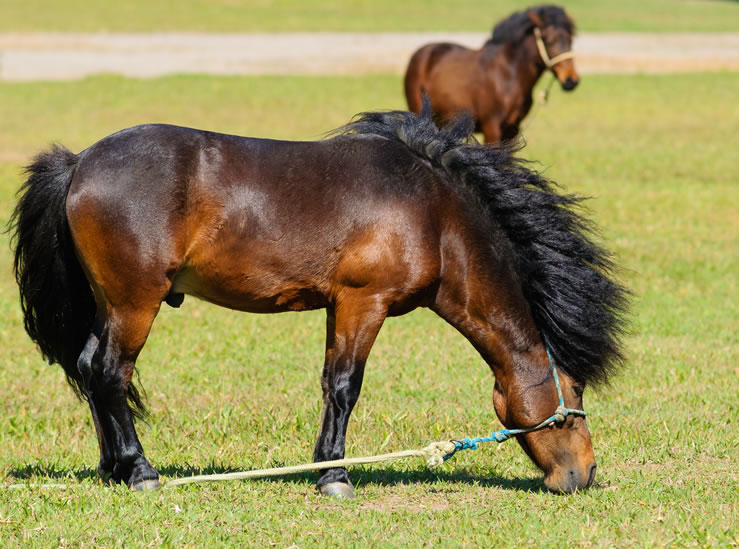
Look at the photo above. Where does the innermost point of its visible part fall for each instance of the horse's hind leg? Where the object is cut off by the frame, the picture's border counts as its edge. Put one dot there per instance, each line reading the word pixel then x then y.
pixel 351 331
pixel 102 426
pixel 124 332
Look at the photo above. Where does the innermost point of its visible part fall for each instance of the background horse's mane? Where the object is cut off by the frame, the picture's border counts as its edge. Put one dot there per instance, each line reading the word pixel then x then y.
pixel 566 277
pixel 515 27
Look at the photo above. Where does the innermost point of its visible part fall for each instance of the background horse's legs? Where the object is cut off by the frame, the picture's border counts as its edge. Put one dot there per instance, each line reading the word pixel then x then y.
pixel 351 330
pixel 491 129
pixel 123 335
pixel 509 132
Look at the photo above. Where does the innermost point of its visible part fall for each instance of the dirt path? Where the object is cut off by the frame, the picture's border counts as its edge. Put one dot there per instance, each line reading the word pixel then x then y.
pixel 25 57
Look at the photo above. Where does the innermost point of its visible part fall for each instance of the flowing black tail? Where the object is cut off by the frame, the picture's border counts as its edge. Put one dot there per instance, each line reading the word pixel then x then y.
pixel 56 299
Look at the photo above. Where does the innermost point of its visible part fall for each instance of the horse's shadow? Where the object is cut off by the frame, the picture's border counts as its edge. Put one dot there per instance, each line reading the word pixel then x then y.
pixel 360 477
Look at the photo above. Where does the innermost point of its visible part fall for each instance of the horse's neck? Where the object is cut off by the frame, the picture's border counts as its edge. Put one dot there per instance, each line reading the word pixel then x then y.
pixel 526 62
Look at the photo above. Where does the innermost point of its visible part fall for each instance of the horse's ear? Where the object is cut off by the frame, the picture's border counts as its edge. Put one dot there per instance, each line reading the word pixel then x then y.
pixel 535 19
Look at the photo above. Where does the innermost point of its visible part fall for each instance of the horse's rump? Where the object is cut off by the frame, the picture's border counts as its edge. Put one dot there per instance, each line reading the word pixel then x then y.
pixel 422 75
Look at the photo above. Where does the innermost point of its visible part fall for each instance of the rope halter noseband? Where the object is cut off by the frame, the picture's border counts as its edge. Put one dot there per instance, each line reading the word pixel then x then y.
pixel 550 61
pixel 559 416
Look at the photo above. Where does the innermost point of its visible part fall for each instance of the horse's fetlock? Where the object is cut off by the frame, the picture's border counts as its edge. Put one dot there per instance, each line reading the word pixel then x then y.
pixel 338 475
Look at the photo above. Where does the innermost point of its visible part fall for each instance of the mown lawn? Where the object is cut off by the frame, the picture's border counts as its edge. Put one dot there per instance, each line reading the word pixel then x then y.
pixel 355 15
pixel 231 391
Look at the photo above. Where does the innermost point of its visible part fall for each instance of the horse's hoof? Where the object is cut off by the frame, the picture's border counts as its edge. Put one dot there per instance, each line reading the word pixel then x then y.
pixel 338 489
pixel 146 485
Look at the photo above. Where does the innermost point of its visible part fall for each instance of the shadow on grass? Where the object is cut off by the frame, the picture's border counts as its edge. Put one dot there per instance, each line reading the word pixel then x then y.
pixel 46 471
pixel 360 477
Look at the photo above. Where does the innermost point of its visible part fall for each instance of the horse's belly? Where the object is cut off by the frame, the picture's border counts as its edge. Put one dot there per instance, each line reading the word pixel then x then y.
pixel 249 292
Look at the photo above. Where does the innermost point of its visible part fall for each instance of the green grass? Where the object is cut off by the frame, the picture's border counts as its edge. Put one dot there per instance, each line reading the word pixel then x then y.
pixel 357 15
pixel 230 391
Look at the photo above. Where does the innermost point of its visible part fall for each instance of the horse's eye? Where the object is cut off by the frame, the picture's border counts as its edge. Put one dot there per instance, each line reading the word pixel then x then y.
pixel 578 390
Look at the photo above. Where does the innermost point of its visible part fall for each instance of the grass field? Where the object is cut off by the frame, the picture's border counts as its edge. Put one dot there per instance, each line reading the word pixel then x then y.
pixel 231 391
pixel 356 15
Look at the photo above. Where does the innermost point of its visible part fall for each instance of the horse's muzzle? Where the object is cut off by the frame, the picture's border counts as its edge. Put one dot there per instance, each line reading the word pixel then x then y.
pixel 571 480
pixel 570 84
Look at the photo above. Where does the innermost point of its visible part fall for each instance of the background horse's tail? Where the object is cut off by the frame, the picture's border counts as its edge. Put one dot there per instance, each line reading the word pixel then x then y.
pixel 56 299
pixel 566 276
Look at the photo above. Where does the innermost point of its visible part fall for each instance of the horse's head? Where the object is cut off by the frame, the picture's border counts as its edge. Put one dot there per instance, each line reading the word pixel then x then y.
pixel 562 450
pixel 553 31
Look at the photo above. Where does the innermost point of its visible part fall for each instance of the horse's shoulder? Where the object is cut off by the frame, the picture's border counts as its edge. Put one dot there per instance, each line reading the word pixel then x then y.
pixel 491 55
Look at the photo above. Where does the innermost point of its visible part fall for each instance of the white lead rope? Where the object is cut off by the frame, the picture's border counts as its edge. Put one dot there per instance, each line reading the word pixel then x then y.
pixel 434 455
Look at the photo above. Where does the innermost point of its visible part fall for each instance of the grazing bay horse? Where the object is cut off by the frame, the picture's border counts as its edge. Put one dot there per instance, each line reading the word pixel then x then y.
pixel 387 215
pixel 494 84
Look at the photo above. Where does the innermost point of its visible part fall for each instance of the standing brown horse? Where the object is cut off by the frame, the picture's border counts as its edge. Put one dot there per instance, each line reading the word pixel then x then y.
pixel 389 215
pixel 494 84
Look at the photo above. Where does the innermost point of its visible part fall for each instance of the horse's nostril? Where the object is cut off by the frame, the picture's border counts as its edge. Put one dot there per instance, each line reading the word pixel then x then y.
pixel 591 474
pixel 573 483
pixel 569 84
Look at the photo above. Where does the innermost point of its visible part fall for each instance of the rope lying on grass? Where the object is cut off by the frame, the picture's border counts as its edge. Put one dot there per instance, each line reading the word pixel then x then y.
pixel 434 454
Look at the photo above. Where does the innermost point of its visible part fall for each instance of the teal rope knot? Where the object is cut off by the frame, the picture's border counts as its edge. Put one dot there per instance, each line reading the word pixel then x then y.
pixel 465 444
pixel 559 416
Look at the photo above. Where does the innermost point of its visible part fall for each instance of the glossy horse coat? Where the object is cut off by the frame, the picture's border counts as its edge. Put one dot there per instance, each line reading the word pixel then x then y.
pixel 493 84
pixel 390 215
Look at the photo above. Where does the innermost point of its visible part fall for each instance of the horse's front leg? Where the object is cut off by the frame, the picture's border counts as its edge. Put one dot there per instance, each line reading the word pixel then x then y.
pixel 351 329
pixel 491 129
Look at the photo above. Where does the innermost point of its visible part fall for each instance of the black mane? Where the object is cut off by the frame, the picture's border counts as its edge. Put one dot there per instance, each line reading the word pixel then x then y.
pixel 514 28
pixel 567 279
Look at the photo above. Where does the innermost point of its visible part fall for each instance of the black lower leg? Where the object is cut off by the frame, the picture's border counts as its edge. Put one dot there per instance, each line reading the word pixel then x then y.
pixel 131 466
pixel 330 447
pixel 107 455
pixel 343 393
pixel 122 454
pixel 102 426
